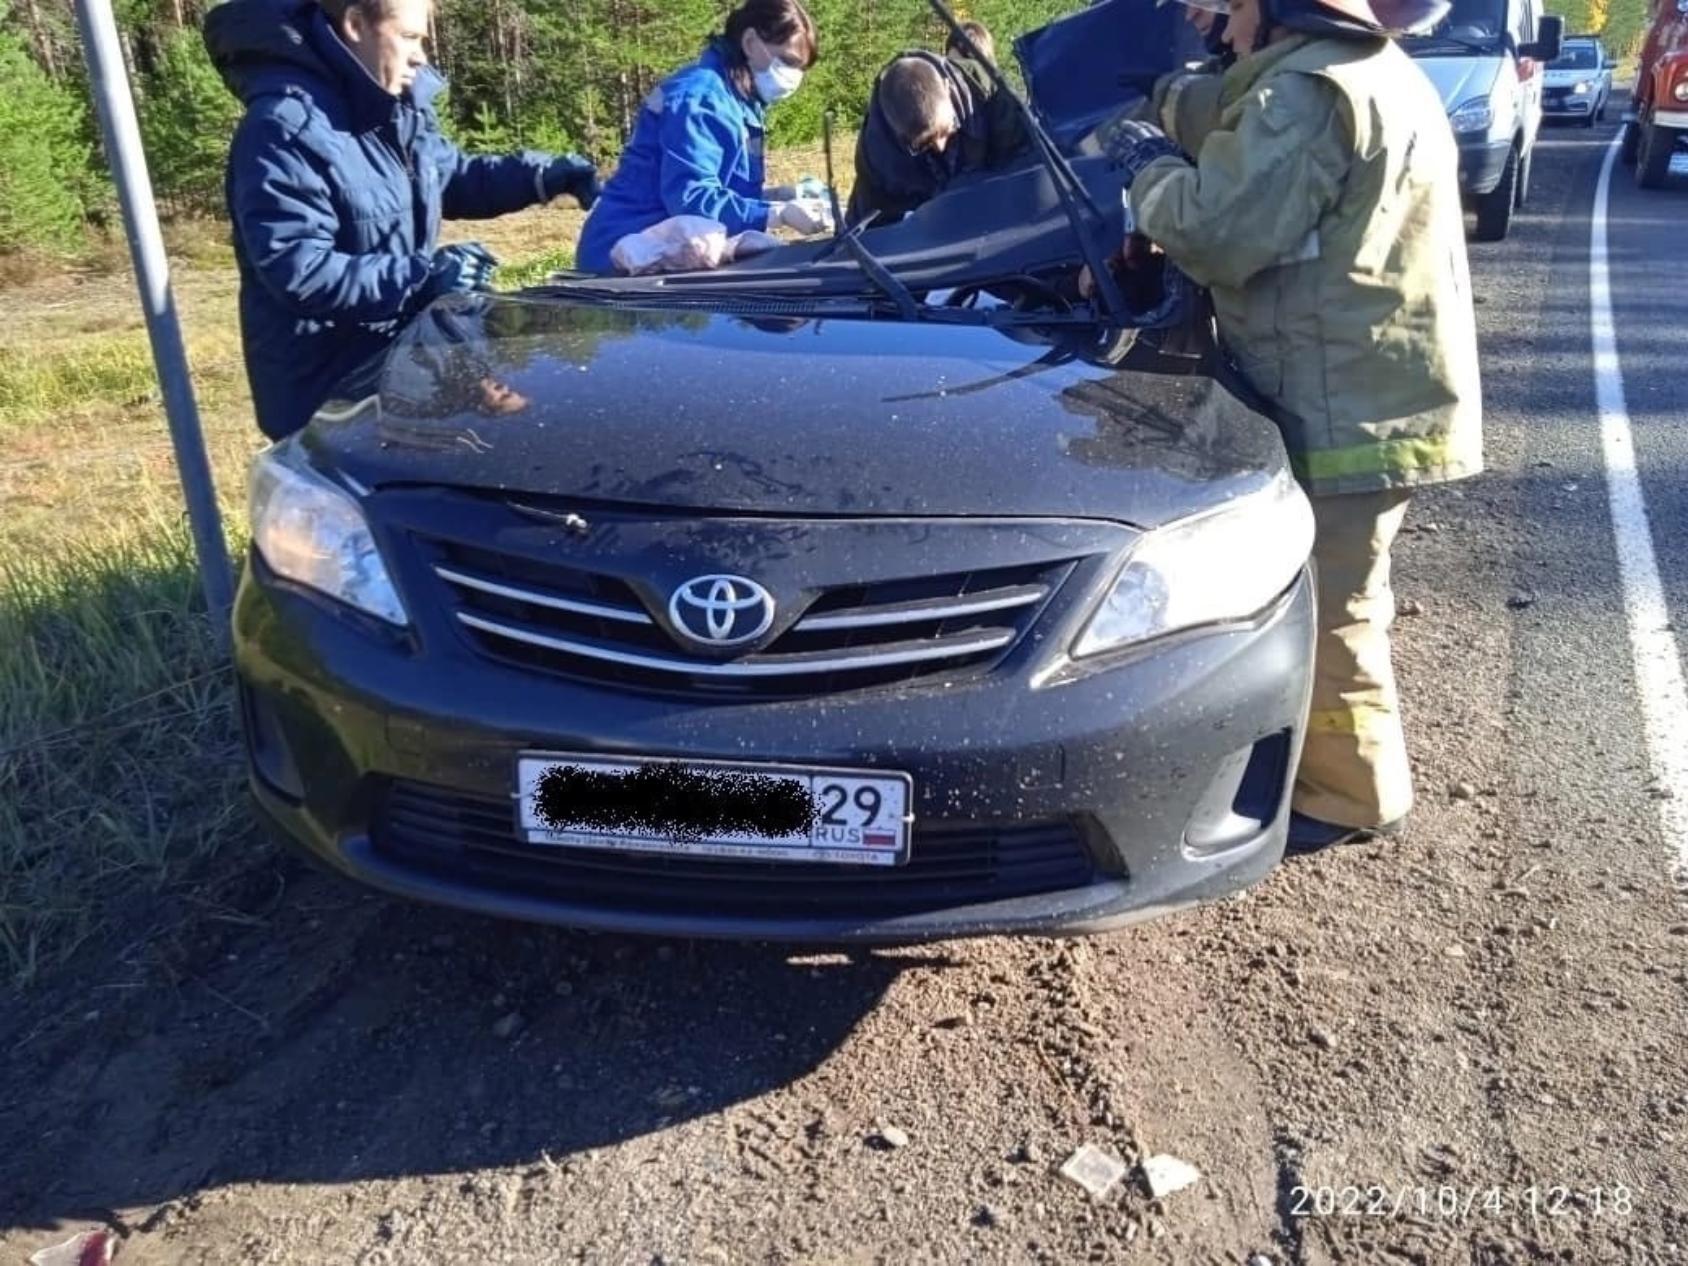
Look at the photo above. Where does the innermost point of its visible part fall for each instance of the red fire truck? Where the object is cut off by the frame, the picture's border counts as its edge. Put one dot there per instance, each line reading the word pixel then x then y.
pixel 1658 116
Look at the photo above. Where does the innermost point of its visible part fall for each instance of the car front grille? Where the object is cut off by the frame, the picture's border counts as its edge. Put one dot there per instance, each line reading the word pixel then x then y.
pixel 593 626
pixel 469 838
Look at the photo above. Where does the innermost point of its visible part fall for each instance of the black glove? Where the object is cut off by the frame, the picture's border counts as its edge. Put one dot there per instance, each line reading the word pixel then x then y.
pixel 1133 145
pixel 459 269
pixel 571 174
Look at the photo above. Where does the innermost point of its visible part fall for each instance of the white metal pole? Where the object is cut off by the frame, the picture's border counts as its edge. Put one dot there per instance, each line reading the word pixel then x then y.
pixel 109 79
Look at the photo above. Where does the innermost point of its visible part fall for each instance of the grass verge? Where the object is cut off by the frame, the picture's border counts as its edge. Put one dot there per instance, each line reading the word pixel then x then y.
pixel 119 759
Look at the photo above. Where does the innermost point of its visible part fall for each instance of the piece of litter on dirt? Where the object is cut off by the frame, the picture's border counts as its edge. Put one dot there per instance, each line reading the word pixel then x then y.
pixel 890 1136
pixel 1409 606
pixel 1462 791
pixel 1519 601
pixel 1093 1169
pixel 1260 1259
pixel 1322 1039
pixel 91 1248
pixel 1455 951
pixel 509 1026
pixel 1167 1175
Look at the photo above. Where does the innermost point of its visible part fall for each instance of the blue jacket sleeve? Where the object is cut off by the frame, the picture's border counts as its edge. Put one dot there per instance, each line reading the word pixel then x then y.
pixel 481 186
pixel 694 154
pixel 285 218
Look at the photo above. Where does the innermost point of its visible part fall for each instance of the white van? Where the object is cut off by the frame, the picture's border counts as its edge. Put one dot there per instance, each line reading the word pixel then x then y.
pixel 1487 59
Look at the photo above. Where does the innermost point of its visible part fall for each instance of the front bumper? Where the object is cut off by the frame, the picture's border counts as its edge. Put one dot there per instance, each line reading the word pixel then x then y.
pixel 1481 165
pixel 1570 107
pixel 1165 773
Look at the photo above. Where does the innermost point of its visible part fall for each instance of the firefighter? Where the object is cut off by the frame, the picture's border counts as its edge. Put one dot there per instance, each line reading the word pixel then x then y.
pixel 1321 209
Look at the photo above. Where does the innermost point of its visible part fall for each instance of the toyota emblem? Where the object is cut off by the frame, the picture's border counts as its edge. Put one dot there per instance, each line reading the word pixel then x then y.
pixel 721 610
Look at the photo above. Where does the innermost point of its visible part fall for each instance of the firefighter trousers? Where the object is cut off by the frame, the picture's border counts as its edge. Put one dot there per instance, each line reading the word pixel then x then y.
pixel 1354 769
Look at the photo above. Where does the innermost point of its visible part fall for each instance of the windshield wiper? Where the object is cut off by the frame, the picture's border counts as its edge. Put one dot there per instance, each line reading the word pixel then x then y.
pixel 1417 42
pixel 1075 198
pixel 880 275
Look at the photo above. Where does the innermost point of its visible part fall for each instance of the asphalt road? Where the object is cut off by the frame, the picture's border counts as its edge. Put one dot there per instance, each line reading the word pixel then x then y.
pixel 1468 1044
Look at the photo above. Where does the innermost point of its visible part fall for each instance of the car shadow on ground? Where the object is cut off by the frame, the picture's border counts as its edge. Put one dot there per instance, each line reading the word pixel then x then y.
pixel 327 1035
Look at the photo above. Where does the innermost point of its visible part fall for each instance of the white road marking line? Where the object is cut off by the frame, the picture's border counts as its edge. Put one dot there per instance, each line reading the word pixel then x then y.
pixel 1658 663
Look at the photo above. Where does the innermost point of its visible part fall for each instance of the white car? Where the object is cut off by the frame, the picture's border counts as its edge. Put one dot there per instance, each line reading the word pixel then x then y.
pixel 1578 83
pixel 1486 58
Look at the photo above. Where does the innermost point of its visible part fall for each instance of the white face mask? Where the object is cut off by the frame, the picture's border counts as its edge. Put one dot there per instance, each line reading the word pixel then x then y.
pixel 778 81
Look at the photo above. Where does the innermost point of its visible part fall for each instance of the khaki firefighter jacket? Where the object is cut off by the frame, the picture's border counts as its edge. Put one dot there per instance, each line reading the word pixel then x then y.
pixel 1323 214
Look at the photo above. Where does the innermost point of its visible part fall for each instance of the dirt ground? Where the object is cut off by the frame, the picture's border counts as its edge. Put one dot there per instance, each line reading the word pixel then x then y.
pixel 1486 1020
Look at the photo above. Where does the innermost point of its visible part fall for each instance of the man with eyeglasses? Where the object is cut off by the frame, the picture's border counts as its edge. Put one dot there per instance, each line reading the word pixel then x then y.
pixel 930 120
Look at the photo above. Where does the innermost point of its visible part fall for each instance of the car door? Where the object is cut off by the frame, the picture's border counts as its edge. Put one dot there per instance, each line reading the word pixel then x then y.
pixel 1521 27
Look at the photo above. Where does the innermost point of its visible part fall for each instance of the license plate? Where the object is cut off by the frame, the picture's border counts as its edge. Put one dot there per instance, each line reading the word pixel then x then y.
pixel 788 813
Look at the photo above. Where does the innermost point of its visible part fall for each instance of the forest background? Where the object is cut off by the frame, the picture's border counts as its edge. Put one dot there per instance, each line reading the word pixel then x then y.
pixel 542 74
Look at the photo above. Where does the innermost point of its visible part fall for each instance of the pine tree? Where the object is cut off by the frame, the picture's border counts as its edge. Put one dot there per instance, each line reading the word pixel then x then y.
pixel 187 120
pixel 43 154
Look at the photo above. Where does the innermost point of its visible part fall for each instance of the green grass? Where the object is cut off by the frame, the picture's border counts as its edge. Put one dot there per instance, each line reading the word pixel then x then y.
pixel 119 765
pixel 534 269
pixel 43 381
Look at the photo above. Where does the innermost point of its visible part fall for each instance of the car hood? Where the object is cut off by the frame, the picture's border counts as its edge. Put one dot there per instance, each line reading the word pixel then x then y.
pixel 1100 60
pixel 1459 79
pixel 708 412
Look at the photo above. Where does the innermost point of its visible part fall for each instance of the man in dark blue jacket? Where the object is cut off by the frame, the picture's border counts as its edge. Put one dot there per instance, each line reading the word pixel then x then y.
pixel 338 179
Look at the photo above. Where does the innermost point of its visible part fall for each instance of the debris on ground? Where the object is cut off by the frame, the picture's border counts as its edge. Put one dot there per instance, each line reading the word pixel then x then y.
pixel 1521 601
pixel 1462 791
pixel 1167 1175
pixel 91 1248
pixel 1094 1170
pixel 889 1136
pixel 1409 606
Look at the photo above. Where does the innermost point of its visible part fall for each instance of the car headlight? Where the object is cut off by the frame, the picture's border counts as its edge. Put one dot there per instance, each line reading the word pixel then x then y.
pixel 311 532
pixel 1473 116
pixel 1580 89
pixel 1680 91
pixel 1212 568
